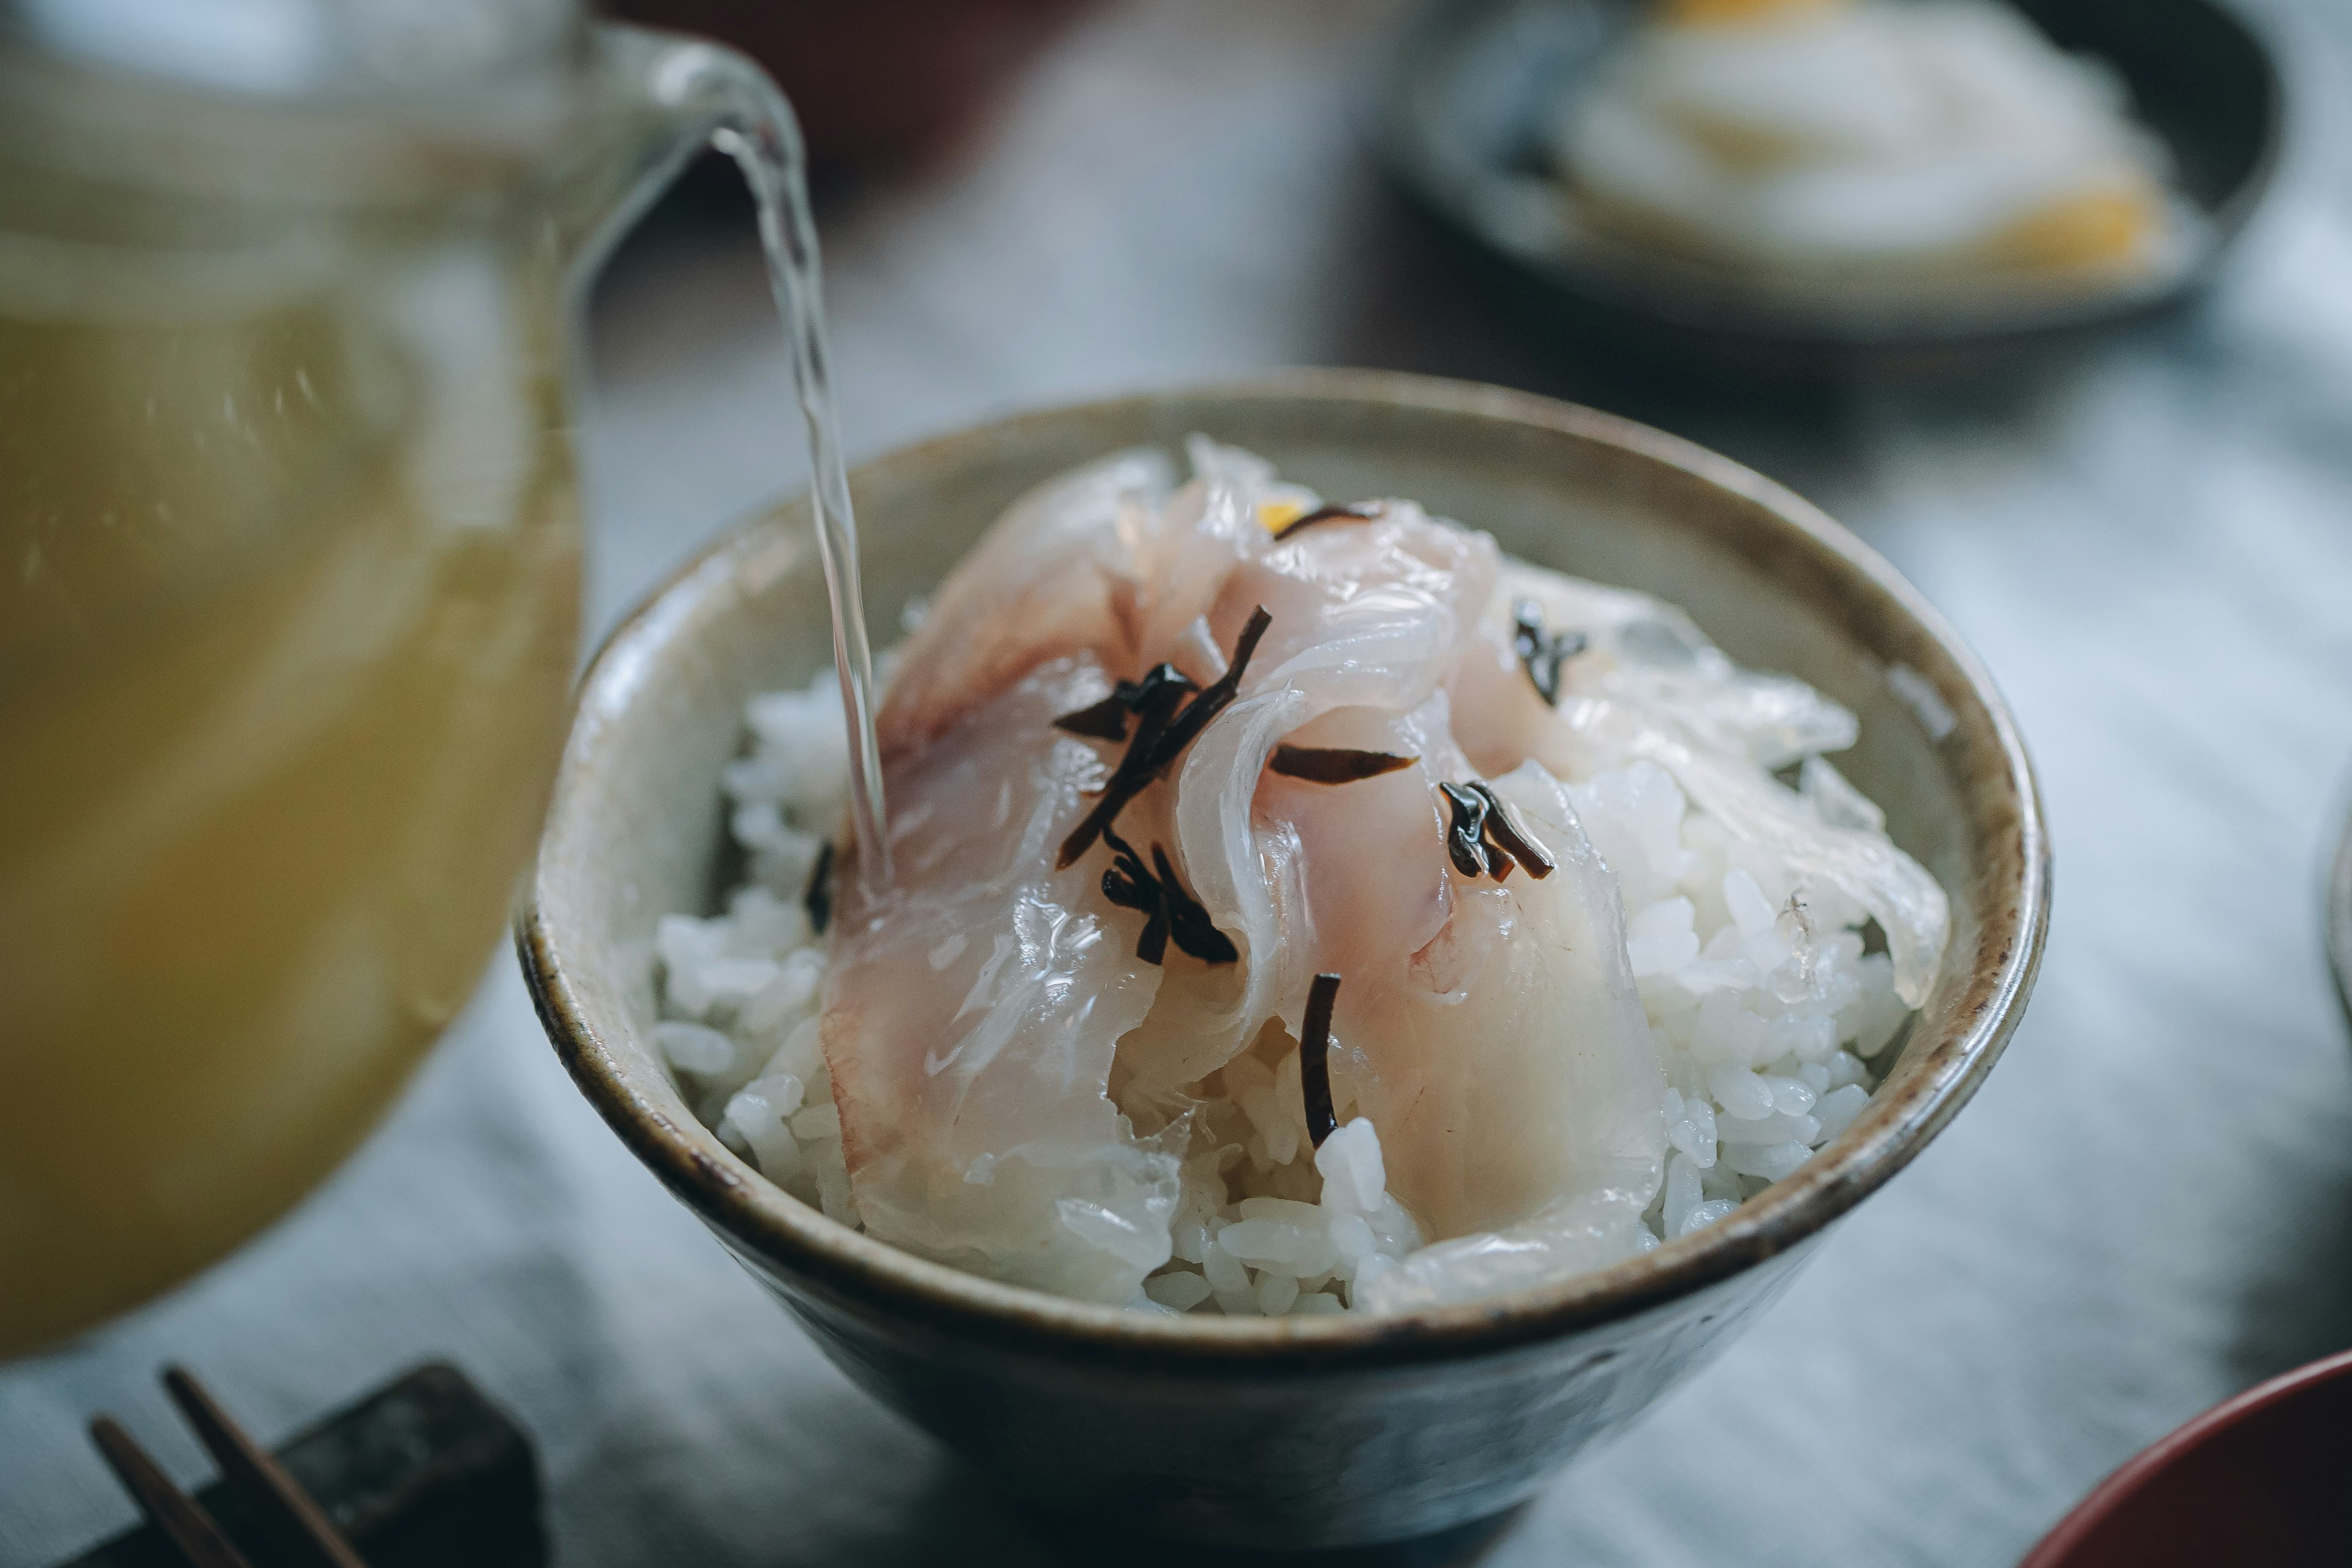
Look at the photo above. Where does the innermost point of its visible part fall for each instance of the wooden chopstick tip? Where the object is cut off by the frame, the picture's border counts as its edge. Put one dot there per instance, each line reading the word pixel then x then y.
pixel 298 1526
pixel 179 1519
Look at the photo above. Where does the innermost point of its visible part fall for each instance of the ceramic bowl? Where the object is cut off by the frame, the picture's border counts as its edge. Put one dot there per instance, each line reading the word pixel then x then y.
pixel 1462 133
pixel 2255 1482
pixel 1298 1432
pixel 2340 917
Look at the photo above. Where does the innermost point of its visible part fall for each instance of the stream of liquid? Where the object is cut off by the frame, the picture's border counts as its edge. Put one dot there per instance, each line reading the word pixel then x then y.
pixel 767 146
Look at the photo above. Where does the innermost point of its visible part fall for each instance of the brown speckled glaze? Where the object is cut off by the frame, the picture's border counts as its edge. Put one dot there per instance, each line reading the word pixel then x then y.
pixel 1299 1432
pixel 2339 918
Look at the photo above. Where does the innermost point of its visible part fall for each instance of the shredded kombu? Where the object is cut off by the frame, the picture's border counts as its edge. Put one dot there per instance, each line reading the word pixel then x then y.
pixel 1107 720
pixel 1334 765
pixel 1214 697
pixel 1361 512
pixel 1169 912
pixel 1503 833
pixel 1466 835
pixel 1161 733
pixel 819 897
pixel 1315 1058
pixel 1484 839
pixel 1542 652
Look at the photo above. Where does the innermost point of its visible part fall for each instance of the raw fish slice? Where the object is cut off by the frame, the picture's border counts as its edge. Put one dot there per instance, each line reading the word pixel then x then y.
pixel 1187 1036
pixel 1896 890
pixel 1375 893
pixel 1508 1064
pixel 972 1010
pixel 1653 688
pixel 1045 582
pixel 1182 558
pixel 1365 614
pixel 1101 560
pixel 1245 877
pixel 1652 653
pixel 1374 887
pixel 1503 1074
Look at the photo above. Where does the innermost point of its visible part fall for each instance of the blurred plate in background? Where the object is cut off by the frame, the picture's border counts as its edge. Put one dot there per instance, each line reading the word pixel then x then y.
pixel 1462 133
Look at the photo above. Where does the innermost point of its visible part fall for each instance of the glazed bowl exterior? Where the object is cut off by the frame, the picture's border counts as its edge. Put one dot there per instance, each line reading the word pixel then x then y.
pixel 2338 917
pixel 1296 1432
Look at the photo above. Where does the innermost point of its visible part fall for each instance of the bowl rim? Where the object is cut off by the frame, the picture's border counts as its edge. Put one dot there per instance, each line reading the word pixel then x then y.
pixel 2056 1549
pixel 2338 921
pixel 858 1273
pixel 1689 297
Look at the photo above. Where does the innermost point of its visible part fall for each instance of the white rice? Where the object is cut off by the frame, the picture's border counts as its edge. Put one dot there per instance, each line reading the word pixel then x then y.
pixel 740 990
pixel 1771 1018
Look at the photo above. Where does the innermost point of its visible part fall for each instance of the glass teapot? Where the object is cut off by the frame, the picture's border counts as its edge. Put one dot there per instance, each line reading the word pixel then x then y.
pixel 289 568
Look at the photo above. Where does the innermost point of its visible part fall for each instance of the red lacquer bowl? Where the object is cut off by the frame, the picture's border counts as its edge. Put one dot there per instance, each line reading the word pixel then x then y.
pixel 2261 1481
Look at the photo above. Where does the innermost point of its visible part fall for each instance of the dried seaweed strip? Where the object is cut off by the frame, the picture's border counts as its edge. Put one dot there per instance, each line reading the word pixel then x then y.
pixel 1214 697
pixel 1130 885
pixel 1362 511
pixel 1465 835
pixel 1107 720
pixel 1504 831
pixel 1542 652
pixel 1161 735
pixel 1187 921
pixel 1169 911
pixel 1135 771
pixel 819 897
pixel 1315 1058
pixel 1334 765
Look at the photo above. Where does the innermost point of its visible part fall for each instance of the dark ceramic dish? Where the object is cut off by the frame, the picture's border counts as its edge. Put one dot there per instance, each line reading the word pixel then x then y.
pixel 1461 134
pixel 2258 1482
pixel 1303 1431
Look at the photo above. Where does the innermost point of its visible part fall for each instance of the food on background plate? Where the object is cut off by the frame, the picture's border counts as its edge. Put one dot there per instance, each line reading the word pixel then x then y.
pixel 1849 141
pixel 1296 908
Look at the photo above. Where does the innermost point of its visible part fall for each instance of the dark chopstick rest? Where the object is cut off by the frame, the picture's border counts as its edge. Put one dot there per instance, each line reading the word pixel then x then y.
pixel 423 1473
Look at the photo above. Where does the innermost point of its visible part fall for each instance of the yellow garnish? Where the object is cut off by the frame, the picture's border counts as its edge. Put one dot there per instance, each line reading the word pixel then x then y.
pixel 2105 225
pixel 1273 516
pixel 1737 13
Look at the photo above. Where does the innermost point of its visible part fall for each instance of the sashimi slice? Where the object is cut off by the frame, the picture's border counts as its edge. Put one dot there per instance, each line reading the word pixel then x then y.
pixel 973 1009
pixel 1508 1064
pixel 1652 688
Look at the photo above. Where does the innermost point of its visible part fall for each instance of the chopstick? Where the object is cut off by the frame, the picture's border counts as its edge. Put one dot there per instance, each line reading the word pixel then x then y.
pixel 189 1529
pixel 299 1527
pixel 296 1525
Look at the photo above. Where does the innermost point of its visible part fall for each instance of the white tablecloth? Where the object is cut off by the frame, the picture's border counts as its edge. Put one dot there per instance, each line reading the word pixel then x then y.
pixel 2149 1207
